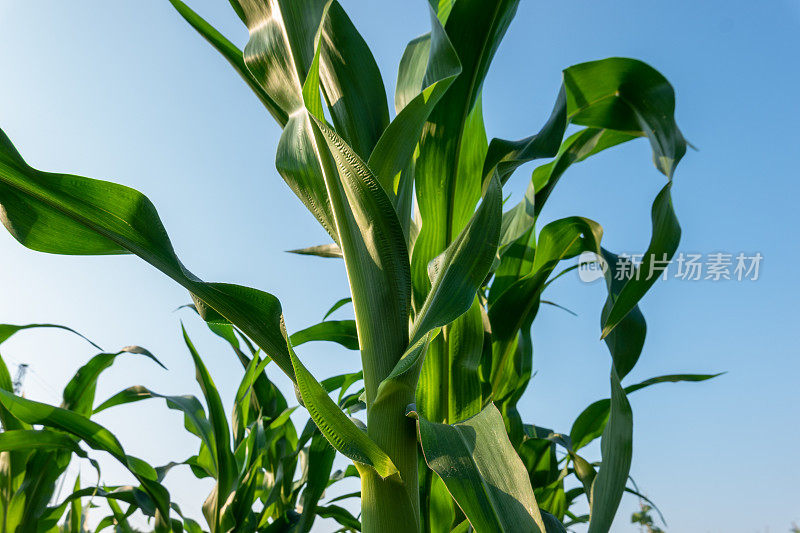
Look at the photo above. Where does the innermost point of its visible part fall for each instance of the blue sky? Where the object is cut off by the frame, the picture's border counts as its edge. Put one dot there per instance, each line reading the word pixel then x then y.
pixel 126 91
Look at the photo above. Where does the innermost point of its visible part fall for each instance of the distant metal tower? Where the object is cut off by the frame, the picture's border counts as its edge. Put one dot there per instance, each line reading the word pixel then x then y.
pixel 18 381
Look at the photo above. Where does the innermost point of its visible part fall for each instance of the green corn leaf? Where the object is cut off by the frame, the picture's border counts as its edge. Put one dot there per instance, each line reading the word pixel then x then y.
pixel 320 462
pixel 338 305
pixel 120 518
pixel 65 214
pixel 341 515
pixel 339 331
pixel 375 255
pixel 616 447
pixel 507 156
pixel 340 431
pixel 233 55
pixel 352 83
pixel 482 471
pixel 621 94
pixel 280 53
pixel 427 69
pixel 74 521
pixel 32 439
pixel 243 415
pixel 453 142
pixel 592 421
pixel 7 330
pixel 627 95
pixel 195 420
pixel 95 436
pixel 223 456
pixel 465 338
pixel 663 244
pixel 460 270
pixel 79 392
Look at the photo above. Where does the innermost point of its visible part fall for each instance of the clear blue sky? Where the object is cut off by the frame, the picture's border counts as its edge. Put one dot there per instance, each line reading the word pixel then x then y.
pixel 127 91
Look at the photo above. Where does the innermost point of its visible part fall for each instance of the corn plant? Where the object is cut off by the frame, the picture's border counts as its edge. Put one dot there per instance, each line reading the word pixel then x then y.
pixel 33 460
pixel 444 284
pixel 254 459
pixel 258 453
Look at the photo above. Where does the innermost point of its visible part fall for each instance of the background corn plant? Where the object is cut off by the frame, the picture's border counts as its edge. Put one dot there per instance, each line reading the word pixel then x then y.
pixel 272 475
pixel 34 459
pixel 444 285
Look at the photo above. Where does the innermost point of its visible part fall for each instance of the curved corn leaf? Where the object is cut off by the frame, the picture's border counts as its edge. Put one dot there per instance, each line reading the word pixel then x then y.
pixel 663 244
pixel 7 330
pixel 592 421
pixel 627 95
pixel 482 471
pixel 617 93
pixel 341 515
pixel 339 331
pixel 574 149
pixel 195 419
pixel 79 392
pixel 338 305
pixel 507 156
pixel 65 214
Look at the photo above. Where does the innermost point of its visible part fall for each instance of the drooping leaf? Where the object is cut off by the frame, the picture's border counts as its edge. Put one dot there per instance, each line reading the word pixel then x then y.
pixel 7 330
pixel 592 421
pixel 79 392
pixel 65 214
pixel 663 244
pixel 627 95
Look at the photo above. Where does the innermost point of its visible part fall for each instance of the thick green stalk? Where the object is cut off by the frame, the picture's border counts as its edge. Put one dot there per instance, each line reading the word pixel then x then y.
pixel 392 504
